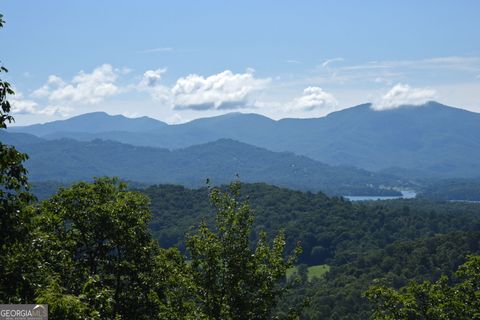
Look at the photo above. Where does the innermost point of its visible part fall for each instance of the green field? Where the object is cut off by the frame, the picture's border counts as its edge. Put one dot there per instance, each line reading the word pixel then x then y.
pixel 317 271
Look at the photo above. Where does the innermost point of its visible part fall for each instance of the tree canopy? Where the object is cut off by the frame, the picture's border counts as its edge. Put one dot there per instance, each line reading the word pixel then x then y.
pixel 446 298
pixel 234 279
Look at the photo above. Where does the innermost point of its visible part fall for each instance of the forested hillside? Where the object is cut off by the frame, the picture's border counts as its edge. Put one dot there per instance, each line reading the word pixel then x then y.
pixel 340 295
pixel 453 190
pixel 331 230
pixel 398 240
pixel 387 242
pixel 68 160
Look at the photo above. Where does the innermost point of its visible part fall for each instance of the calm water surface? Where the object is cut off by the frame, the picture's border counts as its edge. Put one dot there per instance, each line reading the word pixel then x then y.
pixel 406 194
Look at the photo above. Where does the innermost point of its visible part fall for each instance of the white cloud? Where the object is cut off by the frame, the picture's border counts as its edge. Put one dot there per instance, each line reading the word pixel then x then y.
pixel 27 106
pixel 314 98
pixel 55 110
pixel 225 90
pixel 151 78
pixel 381 80
pixel 455 63
pixel 449 63
pixel 45 90
pixel 432 71
pixel 403 94
pixel 175 119
pixel 85 88
pixel 61 96
pixel 268 104
pixel 151 83
pixel 326 63
pixel 155 50
pixel 22 106
pixel 123 71
pixel 132 115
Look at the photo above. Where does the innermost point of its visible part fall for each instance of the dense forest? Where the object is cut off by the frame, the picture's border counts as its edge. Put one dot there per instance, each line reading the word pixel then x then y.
pixel 387 243
pixel 331 230
pixel 395 240
pixel 452 190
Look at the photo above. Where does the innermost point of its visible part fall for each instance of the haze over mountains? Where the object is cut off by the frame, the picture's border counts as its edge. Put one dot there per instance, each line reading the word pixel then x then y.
pixel 67 160
pixel 432 140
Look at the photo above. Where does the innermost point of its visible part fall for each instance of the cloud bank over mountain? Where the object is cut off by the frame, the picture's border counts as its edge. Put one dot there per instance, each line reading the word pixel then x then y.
pixel 314 98
pixel 402 95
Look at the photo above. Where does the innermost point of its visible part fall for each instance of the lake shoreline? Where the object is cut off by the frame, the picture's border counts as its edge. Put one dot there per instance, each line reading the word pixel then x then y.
pixel 406 194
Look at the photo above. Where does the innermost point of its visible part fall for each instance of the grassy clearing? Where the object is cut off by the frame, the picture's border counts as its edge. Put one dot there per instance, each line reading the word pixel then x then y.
pixel 317 271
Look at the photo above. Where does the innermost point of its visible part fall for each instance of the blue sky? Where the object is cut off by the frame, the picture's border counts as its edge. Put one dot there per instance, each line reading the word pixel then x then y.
pixel 181 60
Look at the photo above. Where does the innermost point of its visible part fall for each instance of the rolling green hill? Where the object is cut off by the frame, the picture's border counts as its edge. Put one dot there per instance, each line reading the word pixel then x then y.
pixel 67 160
pixel 398 240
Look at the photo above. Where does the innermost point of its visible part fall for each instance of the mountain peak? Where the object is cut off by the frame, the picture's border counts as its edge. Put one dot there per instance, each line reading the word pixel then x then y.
pixel 94 122
pixel 93 114
pixel 233 120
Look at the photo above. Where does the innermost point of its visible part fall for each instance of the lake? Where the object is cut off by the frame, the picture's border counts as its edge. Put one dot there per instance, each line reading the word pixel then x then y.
pixel 406 194
pixel 465 201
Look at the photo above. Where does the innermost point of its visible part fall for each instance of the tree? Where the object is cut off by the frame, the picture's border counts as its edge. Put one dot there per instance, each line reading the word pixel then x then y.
pixel 432 300
pixel 15 257
pixel 99 257
pixel 234 279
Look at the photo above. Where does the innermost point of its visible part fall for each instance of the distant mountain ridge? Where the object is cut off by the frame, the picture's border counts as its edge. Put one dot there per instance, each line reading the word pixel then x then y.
pixel 95 122
pixel 67 160
pixel 432 140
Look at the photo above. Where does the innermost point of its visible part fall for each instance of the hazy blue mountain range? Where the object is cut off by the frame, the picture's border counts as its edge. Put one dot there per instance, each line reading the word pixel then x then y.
pixel 93 123
pixel 69 160
pixel 430 140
